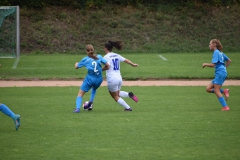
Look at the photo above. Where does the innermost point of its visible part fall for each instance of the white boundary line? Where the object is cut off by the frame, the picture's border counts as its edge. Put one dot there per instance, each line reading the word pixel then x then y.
pixel 16 63
pixel 162 57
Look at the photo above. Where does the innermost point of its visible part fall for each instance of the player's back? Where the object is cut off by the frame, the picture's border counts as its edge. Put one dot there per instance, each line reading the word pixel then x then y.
pixel 93 66
pixel 114 60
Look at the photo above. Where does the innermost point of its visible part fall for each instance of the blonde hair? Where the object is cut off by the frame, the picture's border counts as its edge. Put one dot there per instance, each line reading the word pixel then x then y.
pixel 90 51
pixel 218 44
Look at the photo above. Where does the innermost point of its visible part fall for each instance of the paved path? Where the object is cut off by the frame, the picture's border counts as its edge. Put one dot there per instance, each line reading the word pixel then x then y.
pixel 125 83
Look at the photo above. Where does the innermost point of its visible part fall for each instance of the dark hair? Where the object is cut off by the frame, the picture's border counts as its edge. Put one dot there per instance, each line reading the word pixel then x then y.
pixel 91 52
pixel 218 44
pixel 110 44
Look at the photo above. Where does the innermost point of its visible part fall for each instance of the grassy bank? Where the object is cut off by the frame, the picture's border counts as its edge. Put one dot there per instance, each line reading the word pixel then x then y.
pixel 161 29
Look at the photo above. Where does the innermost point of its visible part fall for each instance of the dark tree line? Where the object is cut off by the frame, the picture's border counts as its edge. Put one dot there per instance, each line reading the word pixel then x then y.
pixel 101 3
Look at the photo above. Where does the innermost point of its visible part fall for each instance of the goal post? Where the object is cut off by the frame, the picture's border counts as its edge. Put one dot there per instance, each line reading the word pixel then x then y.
pixel 9 32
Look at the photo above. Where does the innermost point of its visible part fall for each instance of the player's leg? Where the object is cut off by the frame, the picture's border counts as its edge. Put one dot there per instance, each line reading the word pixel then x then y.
pixel 219 80
pixel 8 112
pixel 125 94
pixel 95 85
pixel 79 101
pixel 119 100
pixel 210 88
pixel 220 97
pixel 83 89
pixel 226 93
pixel 114 90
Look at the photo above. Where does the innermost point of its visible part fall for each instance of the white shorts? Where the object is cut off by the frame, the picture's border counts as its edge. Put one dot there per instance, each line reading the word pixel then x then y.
pixel 114 84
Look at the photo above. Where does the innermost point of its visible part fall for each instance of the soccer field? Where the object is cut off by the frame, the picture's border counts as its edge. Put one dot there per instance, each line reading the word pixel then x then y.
pixel 151 66
pixel 167 123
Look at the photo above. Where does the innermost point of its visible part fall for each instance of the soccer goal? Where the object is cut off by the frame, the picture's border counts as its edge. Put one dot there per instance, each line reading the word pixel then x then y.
pixel 9 32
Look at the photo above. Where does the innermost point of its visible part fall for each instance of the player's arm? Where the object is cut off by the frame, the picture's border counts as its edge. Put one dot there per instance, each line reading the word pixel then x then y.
pixel 228 62
pixel 208 65
pixel 130 63
pixel 106 67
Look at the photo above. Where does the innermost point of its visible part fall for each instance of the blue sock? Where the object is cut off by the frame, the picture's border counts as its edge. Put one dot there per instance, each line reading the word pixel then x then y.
pixel 222 101
pixel 221 90
pixel 93 93
pixel 6 111
pixel 78 102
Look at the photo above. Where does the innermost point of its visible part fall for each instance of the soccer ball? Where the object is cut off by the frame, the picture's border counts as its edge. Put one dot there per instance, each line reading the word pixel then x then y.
pixel 85 106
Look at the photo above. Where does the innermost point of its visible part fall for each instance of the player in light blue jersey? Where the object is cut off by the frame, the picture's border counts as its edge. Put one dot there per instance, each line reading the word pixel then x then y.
pixel 94 78
pixel 113 74
pixel 220 61
pixel 16 117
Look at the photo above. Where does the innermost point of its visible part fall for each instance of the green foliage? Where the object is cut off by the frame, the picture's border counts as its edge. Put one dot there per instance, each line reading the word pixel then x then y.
pixel 167 123
pixel 101 3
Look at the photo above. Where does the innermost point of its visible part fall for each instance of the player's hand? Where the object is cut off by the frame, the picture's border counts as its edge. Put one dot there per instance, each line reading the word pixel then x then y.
pixel 76 65
pixel 135 65
pixel 203 65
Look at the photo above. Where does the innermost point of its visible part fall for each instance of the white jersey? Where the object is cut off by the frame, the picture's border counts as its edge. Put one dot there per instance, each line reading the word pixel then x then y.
pixel 114 60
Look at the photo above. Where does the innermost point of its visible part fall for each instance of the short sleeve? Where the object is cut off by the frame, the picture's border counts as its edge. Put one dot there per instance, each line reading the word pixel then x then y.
pixel 225 57
pixel 215 56
pixel 81 63
pixel 121 58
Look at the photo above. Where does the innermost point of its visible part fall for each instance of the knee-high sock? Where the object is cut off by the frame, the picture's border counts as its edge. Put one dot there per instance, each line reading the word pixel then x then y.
pixel 93 93
pixel 123 103
pixel 221 90
pixel 78 102
pixel 222 101
pixel 123 94
pixel 6 111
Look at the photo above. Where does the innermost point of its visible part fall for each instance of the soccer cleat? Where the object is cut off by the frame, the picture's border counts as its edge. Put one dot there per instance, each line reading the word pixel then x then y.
pixel 226 93
pixel 129 109
pixel 131 95
pixel 225 108
pixel 16 120
pixel 76 110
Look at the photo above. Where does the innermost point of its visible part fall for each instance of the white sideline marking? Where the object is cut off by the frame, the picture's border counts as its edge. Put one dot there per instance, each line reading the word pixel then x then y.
pixel 16 63
pixel 162 57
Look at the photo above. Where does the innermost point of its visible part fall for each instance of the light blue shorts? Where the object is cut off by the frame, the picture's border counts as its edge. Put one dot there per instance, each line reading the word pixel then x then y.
pixel 91 82
pixel 219 78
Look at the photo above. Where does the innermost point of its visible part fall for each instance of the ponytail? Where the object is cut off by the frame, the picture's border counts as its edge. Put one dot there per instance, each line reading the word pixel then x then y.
pixel 110 44
pixel 91 52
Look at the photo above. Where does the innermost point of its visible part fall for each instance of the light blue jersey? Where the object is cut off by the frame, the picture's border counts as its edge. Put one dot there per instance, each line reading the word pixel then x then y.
pixel 93 66
pixel 94 76
pixel 219 59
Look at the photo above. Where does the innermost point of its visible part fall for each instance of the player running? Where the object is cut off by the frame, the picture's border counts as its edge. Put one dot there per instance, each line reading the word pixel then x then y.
pixel 94 76
pixel 218 61
pixel 113 75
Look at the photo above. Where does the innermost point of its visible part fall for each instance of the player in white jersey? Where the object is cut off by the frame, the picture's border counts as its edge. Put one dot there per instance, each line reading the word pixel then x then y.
pixel 113 74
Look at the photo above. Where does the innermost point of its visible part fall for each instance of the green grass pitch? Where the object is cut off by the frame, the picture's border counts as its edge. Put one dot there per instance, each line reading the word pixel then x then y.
pixel 167 123
pixel 151 65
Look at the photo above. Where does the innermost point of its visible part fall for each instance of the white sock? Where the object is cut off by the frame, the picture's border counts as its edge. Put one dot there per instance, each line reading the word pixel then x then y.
pixel 123 103
pixel 123 94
